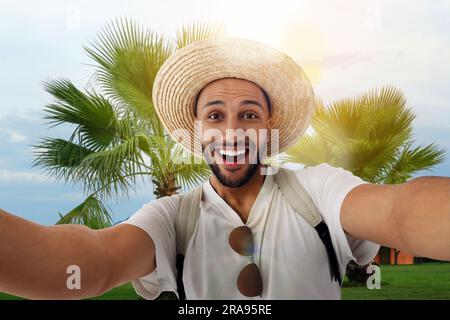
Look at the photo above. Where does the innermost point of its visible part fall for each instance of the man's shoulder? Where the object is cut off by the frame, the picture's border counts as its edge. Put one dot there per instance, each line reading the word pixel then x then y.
pixel 307 172
pixel 324 178
pixel 164 204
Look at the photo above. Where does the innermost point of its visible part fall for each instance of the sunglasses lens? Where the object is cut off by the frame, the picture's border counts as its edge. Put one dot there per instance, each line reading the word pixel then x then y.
pixel 249 281
pixel 241 240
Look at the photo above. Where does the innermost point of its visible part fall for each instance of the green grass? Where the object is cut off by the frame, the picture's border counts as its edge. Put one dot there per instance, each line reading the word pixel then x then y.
pixel 420 281
pixel 125 292
pixel 424 281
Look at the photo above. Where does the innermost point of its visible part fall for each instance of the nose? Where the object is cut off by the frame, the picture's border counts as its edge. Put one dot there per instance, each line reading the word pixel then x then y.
pixel 234 135
pixel 232 122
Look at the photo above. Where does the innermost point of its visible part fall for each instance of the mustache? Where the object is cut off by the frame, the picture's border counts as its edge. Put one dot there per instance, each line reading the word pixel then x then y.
pixel 229 145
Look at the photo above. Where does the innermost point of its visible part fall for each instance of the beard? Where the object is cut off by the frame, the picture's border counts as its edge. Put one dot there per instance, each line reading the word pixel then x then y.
pixel 233 182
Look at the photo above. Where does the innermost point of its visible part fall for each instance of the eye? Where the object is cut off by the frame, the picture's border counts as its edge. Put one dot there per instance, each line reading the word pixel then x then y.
pixel 250 116
pixel 214 116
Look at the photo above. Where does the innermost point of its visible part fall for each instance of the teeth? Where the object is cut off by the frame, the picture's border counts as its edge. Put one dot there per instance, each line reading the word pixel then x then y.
pixel 231 153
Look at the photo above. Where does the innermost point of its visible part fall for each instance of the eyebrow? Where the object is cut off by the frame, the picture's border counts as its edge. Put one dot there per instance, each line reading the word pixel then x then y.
pixel 254 102
pixel 216 102
pixel 213 102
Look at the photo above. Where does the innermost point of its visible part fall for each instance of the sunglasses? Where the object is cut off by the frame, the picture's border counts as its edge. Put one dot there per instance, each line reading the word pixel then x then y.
pixel 249 281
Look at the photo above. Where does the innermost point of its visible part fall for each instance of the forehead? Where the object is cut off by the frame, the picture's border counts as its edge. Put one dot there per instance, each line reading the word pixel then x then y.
pixel 231 87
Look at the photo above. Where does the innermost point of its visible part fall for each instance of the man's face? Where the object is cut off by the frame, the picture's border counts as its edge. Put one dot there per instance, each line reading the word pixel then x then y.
pixel 234 115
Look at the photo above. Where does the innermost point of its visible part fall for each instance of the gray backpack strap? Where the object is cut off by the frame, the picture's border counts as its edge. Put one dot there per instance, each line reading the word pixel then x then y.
pixel 297 196
pixel 186 219
pixel 185 223
pixel 301 202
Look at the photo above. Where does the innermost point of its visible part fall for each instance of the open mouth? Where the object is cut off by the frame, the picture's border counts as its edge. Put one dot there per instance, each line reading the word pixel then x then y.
pixel 232 157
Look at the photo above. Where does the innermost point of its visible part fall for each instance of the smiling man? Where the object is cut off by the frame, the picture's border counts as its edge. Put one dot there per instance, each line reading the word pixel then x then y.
pixel 234 108
pixel 250 231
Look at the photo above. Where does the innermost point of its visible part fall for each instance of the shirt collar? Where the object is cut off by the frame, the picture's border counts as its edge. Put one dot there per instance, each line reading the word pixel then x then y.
pixel 257 212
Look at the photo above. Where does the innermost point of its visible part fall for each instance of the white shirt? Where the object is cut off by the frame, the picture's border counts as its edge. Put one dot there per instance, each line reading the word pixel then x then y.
pixel 294 263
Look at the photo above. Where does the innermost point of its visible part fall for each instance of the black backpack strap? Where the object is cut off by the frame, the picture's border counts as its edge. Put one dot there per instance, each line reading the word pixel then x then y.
pixel 324 235
pixel 180 285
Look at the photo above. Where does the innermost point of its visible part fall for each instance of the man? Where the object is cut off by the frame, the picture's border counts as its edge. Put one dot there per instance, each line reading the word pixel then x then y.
pixel 232 88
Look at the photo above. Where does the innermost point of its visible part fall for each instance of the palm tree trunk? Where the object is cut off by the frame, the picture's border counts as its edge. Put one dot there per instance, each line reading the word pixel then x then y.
pixel 166 187
pixel 396 253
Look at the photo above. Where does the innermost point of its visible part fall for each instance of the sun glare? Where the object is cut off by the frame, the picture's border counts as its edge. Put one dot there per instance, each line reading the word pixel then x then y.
pixel 248 19
pixel 284 28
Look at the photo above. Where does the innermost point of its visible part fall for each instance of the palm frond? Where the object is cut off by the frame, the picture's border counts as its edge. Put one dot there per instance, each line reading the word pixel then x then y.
pixel 189 170
pixel 411 161
pixel 388 114
pixel 170 159
pixel 311 151
pixel 198 31
pixel 91 212
pixel 366 158
pixel 93 114
pixel 340 121
pixel 191 175
pixel 114 171
pixel 128 58
pixel 60 158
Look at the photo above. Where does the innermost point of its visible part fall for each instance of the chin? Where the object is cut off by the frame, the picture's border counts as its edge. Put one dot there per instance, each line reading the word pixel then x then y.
pixel 234 177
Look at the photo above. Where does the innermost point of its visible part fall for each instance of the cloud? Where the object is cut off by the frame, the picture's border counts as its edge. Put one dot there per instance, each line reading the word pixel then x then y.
pixel 14 135
pixel 345 60
pixel 23 176
pixel 17 136
pixel 67 198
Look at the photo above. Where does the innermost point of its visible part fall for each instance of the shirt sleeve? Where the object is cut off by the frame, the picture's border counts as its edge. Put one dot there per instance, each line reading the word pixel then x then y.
pixel 157 219
pixel 328 187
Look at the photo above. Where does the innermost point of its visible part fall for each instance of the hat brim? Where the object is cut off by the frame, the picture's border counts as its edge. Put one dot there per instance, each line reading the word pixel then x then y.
pixel 190 69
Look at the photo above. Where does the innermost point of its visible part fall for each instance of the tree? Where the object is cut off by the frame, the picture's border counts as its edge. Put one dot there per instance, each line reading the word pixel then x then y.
pixel 371 136
pixel 118 136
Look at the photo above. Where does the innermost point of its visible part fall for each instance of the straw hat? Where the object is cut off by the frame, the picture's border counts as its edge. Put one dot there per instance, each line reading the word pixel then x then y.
pixel 191 68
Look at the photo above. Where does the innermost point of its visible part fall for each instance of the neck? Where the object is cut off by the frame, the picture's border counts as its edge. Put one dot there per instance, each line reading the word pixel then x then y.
pixel 241 199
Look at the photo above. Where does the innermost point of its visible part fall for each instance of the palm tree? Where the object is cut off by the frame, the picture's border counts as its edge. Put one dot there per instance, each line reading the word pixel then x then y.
pixel 371 136
pixel 118 136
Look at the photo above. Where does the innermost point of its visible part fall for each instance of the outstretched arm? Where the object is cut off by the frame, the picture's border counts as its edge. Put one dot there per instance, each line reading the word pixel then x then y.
pixel 413 217
pixel 34 258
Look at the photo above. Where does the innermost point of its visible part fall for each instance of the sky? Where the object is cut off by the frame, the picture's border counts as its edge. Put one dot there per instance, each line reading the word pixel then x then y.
pixel 345 47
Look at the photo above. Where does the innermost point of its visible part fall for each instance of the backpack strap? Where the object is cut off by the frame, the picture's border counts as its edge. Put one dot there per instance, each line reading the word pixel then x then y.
pixel 185 223
pixel 297 196
pixel 301 202
pixel 186 219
